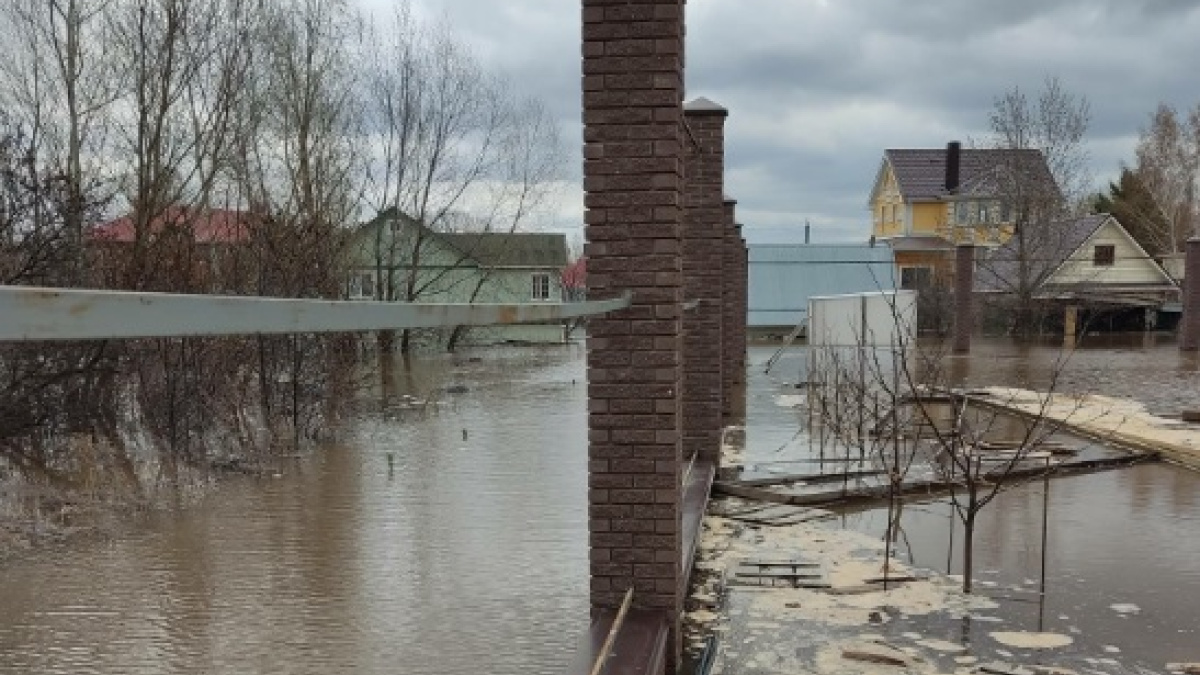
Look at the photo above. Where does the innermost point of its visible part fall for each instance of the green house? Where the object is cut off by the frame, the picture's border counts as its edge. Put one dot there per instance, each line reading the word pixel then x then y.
pixel 394 258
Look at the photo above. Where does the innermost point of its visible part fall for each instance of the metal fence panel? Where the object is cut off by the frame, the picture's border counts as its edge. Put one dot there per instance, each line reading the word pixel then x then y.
pixel 28 313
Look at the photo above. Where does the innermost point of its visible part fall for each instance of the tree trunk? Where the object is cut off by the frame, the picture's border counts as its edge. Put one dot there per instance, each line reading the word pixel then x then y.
pixel 969 546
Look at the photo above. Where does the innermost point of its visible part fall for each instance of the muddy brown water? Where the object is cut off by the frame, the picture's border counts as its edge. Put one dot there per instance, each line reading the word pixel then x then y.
pixel 471 556
pixel 1123 561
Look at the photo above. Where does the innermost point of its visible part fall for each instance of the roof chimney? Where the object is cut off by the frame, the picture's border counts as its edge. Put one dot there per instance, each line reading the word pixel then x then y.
pixel 953 158
pixel 806 231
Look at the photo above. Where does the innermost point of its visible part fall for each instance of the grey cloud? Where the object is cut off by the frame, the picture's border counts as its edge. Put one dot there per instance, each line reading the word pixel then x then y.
pixel 818 88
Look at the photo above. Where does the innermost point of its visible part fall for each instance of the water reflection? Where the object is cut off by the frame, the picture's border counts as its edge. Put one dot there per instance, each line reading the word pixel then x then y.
pixel 471 558
pixel 1117 538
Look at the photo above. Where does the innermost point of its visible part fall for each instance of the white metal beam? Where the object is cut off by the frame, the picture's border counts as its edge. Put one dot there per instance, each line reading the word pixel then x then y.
pixel 29 313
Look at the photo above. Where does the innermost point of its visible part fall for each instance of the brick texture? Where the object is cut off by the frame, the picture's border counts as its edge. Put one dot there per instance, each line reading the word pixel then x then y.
pixel 633 179
pixel 729 311
pixel 703 239
pixel 1189 333
pixel 742 301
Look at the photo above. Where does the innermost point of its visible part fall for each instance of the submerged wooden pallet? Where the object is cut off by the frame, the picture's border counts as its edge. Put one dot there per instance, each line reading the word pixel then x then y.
pixel 777 514
pixel 779 574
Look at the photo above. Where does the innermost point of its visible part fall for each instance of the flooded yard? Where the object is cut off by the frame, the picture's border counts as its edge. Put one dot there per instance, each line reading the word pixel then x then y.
pixel 1121 577
pixel 445 531
pixel 468 556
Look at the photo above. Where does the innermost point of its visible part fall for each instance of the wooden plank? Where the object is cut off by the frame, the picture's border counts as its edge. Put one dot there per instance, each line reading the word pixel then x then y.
pixel 640 647
pixel 809 477
pixel 921 488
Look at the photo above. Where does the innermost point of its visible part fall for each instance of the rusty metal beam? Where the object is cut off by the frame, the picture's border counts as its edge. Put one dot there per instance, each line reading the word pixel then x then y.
pixel 29 313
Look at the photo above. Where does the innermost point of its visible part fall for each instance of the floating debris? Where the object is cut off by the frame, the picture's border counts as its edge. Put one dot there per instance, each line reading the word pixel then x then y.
pixel 1031 640
pixel 790 400
pixel 873 652
pixel 1125 608
pixel 1001 668
pixel 1052 670
pixel 942 646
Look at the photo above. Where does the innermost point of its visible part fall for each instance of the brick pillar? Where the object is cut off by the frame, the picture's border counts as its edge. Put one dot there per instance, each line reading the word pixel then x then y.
pixel 964 285
pixel 740 319
pixel 633 178
pixel 703 265
pixel 729 311
pixel 1189 330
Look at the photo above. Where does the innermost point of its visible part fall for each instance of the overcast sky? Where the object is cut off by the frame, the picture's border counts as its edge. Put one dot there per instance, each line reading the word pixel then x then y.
pixel 817 89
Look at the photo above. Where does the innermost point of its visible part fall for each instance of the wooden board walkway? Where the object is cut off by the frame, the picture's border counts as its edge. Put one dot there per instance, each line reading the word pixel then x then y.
pixel 1118 421
pixel 918 489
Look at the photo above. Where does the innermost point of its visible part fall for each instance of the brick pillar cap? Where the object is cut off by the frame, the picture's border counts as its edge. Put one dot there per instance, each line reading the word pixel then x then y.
pixel 1194 239
pixel 966 244
pixel 730 200
pixel 704 106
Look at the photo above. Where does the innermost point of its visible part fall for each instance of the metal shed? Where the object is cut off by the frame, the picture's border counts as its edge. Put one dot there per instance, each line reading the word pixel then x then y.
pixel 784 276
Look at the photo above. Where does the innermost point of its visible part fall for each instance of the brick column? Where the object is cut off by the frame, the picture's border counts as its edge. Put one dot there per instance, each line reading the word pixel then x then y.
pixel 729 311
pixel 742 302
pixel 633 178
pixel 964 293
pixel 703 264
pixel 1189 330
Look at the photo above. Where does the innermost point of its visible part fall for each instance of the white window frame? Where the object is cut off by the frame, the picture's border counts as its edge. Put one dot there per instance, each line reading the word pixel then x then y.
pixel 362 286
pixel 539 286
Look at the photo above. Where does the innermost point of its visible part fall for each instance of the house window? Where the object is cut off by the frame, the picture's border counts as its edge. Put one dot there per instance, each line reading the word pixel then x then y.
pixel 362 285
pixel 961 213
pixel 1104 255
pixel 916 278
pixel 541 287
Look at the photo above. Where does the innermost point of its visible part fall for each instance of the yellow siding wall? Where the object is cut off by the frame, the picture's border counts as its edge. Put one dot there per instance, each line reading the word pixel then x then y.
pixel 887 210
pixel 929 218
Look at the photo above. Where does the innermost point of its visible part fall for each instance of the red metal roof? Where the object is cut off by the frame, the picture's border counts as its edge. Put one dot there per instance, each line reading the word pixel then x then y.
pixel 215 226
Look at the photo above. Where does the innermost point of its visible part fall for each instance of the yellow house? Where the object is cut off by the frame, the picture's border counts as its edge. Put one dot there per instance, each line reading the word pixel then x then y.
pixel 925 201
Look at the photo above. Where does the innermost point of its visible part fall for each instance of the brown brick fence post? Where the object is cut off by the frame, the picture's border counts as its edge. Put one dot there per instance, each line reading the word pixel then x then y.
pixel 729 293
pixel 1189 331
pixel 743 307
pixel 633 179
pixel 703 270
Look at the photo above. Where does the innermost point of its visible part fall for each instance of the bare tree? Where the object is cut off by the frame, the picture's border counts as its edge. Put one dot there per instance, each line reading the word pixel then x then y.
pixel 297 166
pixel 895 403
pixel 1168 166
pixel 60 88
pixel 1046 134
pixel 530 159
pixel 452 140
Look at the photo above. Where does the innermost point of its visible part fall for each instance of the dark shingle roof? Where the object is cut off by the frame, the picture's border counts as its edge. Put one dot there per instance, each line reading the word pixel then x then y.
pixel 516 249
pixel 1046 250
pixel 921 173
pixel 491 249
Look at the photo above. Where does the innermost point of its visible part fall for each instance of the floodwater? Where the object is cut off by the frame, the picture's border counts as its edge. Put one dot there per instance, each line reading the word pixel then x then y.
pixel 1122 577
pixel 469 556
